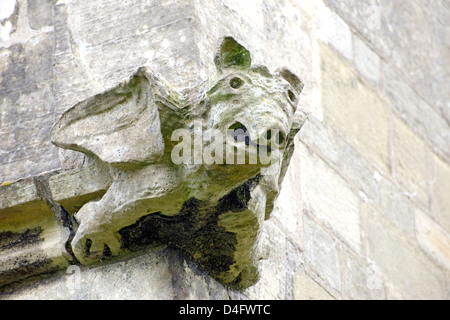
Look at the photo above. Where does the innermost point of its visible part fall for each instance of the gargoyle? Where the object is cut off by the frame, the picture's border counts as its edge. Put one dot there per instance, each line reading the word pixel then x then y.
pixel 169 191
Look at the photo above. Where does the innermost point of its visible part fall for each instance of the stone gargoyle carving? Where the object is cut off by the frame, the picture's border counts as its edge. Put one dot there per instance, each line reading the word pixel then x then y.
pixel 179 180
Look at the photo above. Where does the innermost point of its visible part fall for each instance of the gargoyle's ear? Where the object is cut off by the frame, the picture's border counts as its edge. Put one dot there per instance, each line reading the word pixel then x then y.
pixel 295 82
pixel 232 55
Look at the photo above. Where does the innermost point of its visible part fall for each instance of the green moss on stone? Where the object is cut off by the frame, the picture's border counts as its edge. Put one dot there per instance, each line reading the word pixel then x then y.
pixel 232 54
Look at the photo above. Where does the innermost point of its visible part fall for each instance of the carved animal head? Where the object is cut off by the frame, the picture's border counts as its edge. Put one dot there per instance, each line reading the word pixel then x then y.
pixel 250 96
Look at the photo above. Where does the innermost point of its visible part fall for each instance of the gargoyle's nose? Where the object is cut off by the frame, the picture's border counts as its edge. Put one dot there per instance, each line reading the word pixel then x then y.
pixel 269 138
pixel 274 136
pixel 240 133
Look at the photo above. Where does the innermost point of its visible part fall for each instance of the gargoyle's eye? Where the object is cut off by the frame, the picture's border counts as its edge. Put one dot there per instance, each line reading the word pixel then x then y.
pixel 291 95
pixel 236 82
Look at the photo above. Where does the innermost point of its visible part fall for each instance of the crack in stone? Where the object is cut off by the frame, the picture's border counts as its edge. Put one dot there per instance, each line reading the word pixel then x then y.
pixel 64 219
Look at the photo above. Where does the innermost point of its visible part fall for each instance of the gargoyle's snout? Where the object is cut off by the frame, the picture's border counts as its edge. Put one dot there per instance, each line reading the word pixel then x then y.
pixel 265 139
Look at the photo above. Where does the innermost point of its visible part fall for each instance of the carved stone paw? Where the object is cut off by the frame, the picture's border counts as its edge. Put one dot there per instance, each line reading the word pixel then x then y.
pixel 94 240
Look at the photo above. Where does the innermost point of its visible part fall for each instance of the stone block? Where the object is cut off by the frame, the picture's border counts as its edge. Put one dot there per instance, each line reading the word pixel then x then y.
pixel 400 261
pixel 33 233
pixel 330 198
pixel 145 277
pixel 26 109
pixel 354 108
pixel 321 253
pixel 363 15
pixel 40 13
pixel 433 239
pixel 155 33
pixel 356 169
pixel 367 61
pixel 411 163
pixel 31 237
pixel 306 288
pixel 396 206
pixel 333 30
pixel 316 135
pixel 288 209
pixel 414 110
pixel 410 35
pixel 440 193
pixel 32 252
pixel 16 193
pixel 272 264
pixel 360 280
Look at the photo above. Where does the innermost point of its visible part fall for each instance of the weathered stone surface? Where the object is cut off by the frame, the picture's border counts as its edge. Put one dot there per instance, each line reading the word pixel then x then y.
pixel 333 30
pixel 411 163
pixel 8 20
pixel 414 110
pixel 76 49
pixel 402 262
pixel 352 165
pixel 363 118
pixel 361 281
pixel 307 289
pixel 154 33
pixel 330 199
pixel 316 135
pixel 160 36
pixel 35 226
pixel 158 274
pixel 33 232
pixel 17 193
pixel 440 189
pixel 24 148
pixel 432 238
pixel 400 31
pixel 132 127
pixel 367 62
pixel 288 210
pixel 357 169
pixel 40 13
pixel 272 264
pixel 321 253
pixel 397 206
pixel 72 189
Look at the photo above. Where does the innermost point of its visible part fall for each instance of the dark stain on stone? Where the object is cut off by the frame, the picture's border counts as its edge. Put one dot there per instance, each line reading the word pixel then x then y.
pixel 23 75
pixel 16 240
pixel 25 265
pixel 194 231
pixel 87 246
pixel 107 251
pixel 26 270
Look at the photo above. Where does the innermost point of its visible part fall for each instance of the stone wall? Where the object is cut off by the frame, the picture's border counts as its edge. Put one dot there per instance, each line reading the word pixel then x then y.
pixel 364 210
